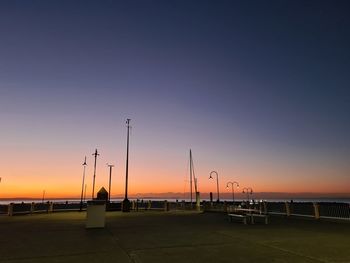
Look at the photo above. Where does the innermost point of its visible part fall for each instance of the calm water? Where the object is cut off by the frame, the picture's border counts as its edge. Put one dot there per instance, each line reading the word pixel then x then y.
pixel 337 200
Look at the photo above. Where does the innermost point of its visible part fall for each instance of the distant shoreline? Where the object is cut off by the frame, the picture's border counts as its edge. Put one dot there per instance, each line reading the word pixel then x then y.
pixel 223 195
pixel 5 201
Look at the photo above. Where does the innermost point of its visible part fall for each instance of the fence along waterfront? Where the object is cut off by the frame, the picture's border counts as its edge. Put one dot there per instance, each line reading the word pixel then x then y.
pixel 330 210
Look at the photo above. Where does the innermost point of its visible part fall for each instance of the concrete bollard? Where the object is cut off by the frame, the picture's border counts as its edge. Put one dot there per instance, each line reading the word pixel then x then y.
pixel 316 210
pixel 287 209
pixel 10 209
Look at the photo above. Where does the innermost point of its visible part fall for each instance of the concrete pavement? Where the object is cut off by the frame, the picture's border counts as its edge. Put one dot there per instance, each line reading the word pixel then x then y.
pixel 170 237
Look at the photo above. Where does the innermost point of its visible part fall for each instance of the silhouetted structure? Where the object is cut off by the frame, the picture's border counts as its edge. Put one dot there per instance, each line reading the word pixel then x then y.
pixel 82 185
pixel 110 181
pixel 192 175
pixel 102 195
pixel 126 202
pixel 247 190
pixel 233 190
pixel 217 182
pixel 85 192
pixel 93 182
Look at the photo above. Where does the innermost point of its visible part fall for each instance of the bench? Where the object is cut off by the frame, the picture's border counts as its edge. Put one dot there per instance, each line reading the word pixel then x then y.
pixel 265 217
pixel 243 217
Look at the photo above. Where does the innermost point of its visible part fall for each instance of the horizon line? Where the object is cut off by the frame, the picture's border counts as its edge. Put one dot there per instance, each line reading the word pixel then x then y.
pixel 173 195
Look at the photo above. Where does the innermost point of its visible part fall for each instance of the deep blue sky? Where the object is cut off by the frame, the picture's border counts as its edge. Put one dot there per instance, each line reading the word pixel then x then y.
pixel 270 78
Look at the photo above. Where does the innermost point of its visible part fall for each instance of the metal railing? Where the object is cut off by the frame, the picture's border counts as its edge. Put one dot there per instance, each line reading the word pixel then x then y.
pixel 302 209
pixel 306 209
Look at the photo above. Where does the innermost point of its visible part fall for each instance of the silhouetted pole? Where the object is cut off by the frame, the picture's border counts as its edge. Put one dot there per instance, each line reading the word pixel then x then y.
pixel 85 192
pixel 191 175
pixel 233 190
pixel 82 185
pixel 43 197
pixel 247 190
pixel 126 202
pixel 110 181
pixel 217 182
pixel 93 182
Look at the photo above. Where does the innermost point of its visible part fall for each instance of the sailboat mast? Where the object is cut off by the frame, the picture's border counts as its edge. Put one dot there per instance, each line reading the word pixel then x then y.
pixel 191 174
pixel 194 176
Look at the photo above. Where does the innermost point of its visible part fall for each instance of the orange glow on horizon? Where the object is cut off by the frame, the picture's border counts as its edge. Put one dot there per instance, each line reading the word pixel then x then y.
pixel 61 177
pixel 54 188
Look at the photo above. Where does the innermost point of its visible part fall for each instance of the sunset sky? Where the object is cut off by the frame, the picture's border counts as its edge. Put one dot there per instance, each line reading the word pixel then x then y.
pixel 259 90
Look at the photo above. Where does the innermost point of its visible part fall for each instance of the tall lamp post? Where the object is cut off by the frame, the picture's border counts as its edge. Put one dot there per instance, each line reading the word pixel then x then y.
pixel 126 202
pixel 82 185
pixel 110 180
pixel 247 190
pixel 217 182
pixel 233 189
pixel 93 182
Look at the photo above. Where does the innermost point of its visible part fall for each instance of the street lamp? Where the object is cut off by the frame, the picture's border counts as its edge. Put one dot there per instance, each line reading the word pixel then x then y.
pixel 233 190
pixel 82 186
pixel 126 202
pixel 217 182
pixel 247 190
pixel 93 182
pixel 110 180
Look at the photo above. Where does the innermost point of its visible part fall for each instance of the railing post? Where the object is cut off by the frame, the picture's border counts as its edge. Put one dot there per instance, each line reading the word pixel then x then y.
pixel 50 207
pixel 149 205
pixel 262 207
pixel 166 205
pixel 198 201
pixel 32 207
pixel 225 207
pixel 316 210
pixel 287 209
pixel 265 207
pixel 10 209
pixel 204 205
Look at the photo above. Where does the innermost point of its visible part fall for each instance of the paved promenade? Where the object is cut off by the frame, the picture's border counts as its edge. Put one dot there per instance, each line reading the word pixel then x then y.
pixel 170 237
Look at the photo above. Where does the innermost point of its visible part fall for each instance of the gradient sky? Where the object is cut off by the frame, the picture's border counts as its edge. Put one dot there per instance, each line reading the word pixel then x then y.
pixel 258 89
